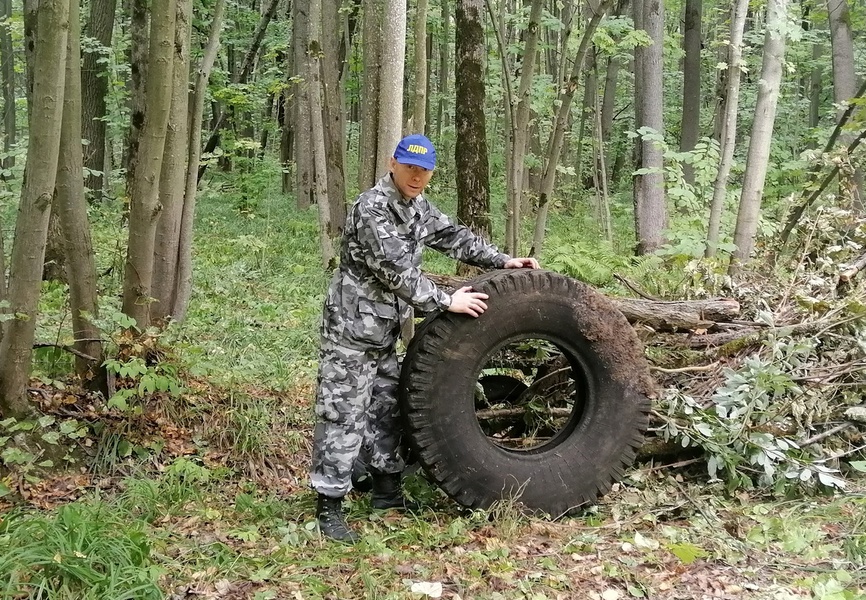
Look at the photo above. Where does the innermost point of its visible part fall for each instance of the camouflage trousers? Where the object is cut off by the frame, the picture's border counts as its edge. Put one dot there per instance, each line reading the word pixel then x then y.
pixel 356 400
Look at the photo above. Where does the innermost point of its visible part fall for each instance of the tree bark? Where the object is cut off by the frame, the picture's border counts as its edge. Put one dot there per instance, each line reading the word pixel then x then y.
pixel 728 136
pixel 372 48
pixel 762 133
pixel 650 209
pixel 94 88
pixel 172 178
pixel 25 278
pixel 7 58
pixel 471 161
pixel 303 145
pixel 71 208
pixel 391 82
pixel 138 62
pixel 444 71
pixel 419 111
pixel 690 124
pixel 844 77
pixel 144 207
pixel 333 118
pixel 184 260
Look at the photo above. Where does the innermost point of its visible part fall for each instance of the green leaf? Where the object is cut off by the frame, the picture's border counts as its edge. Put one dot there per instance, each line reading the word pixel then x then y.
pixel 687 553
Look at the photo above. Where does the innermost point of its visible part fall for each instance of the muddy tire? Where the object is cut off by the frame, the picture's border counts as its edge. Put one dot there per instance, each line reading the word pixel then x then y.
pixel 589 437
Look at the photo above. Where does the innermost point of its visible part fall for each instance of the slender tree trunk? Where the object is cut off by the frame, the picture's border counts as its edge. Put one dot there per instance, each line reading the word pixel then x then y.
pixel 333 118
pixel 285 111
pixel 144 205
pixel 557 136
pixel 25 278
pixel 844 77
pixel 391 82
pixel 303 144
pixel 184 259
pixel 370 109
pixel 590 89
pixel 138 63
pixel 419 112
pixel 816 84
pixel 71 207
pixel 7 58
pixel 521 130
pixel 320 160
pixel 650 211
pixel 762 132
pixel 444 58
pixel 172 178
pixel 94 87
pixel 690 125
pixel 473 186
pixel 728 135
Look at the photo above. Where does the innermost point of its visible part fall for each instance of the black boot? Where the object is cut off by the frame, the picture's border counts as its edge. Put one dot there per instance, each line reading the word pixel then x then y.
pixel 388 493
pixel 332 523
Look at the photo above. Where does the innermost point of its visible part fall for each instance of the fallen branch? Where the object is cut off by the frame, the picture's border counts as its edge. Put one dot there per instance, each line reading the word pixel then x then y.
pixel 851 270
pixel 69 349
pixel 498 413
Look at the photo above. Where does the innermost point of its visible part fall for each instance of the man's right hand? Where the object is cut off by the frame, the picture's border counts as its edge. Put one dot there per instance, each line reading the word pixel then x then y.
pixel 468 302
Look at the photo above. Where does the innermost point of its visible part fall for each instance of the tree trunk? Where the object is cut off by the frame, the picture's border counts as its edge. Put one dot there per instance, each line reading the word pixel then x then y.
pixel 7 58
pixel 690 125
pixel 285 111
pixel 172 178
pixel 444 46
pixel 473 186
pixel 557 136
pixel 419 112
pixel 762 132
pixel 71 207
pixel 144 205
pixel 520 131
pixel 816 84
pixel 391 82
pixel 138 63
pixel 372 48
pixel 320 160
pixel 728 135
pixel 184 259
pixel 844 77
pixel 650 210
pixel 333 118
pixel 303 146
pixel 25 278
pixel 94 89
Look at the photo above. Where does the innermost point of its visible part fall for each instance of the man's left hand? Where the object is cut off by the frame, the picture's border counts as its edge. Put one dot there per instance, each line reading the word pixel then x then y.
pixel 521 263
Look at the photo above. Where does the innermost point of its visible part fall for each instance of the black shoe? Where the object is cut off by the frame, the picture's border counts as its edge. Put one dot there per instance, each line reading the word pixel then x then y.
pixel 332 523
pixel 388 493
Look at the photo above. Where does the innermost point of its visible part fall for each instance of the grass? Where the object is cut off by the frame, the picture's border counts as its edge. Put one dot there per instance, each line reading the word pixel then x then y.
pixel 210 497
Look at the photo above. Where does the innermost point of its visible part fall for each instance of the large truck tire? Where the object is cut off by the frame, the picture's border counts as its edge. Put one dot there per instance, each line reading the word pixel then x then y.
pixel 543 399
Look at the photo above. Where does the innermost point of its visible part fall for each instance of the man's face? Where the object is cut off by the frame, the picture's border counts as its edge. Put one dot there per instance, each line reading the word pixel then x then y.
pixel 410 180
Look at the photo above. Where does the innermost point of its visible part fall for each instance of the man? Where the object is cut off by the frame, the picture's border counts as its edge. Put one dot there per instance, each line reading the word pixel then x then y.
pixel 378 279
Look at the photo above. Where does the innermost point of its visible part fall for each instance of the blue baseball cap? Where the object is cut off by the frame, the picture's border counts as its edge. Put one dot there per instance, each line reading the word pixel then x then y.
pixel 417 150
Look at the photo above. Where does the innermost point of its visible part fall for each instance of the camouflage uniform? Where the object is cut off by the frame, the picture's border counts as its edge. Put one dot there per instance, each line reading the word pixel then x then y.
pixel 378 279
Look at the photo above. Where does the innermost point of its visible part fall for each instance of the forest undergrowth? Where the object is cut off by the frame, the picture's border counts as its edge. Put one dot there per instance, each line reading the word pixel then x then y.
pixel 190 481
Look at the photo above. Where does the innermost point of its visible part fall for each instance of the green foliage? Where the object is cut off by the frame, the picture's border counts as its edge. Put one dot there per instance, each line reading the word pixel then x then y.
pixel 142 380
pixel 83 551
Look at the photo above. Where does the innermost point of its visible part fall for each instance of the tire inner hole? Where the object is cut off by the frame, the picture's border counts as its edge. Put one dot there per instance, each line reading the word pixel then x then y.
pixel 528 396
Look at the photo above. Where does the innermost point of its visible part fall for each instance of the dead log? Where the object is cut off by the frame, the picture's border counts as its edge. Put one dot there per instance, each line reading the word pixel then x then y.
pixel 659 315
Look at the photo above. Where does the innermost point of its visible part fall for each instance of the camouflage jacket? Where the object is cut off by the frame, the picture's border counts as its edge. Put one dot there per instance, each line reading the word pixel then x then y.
pixel 380 264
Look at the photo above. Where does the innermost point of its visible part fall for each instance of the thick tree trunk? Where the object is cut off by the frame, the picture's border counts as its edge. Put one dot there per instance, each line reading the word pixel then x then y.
pixel 728 135
pixel 844 77
pixel 762 133
pixel 391 82
pixel 71 207
pixel 25 278
pixel 172 178
pixel 184 255
pixel 419 111
pixel 521 129
pixel 7 65
pixel 650 210
pixel 690 125
pixel 94 89
pixel 138 62
pixel 144 205
pixel 473 186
